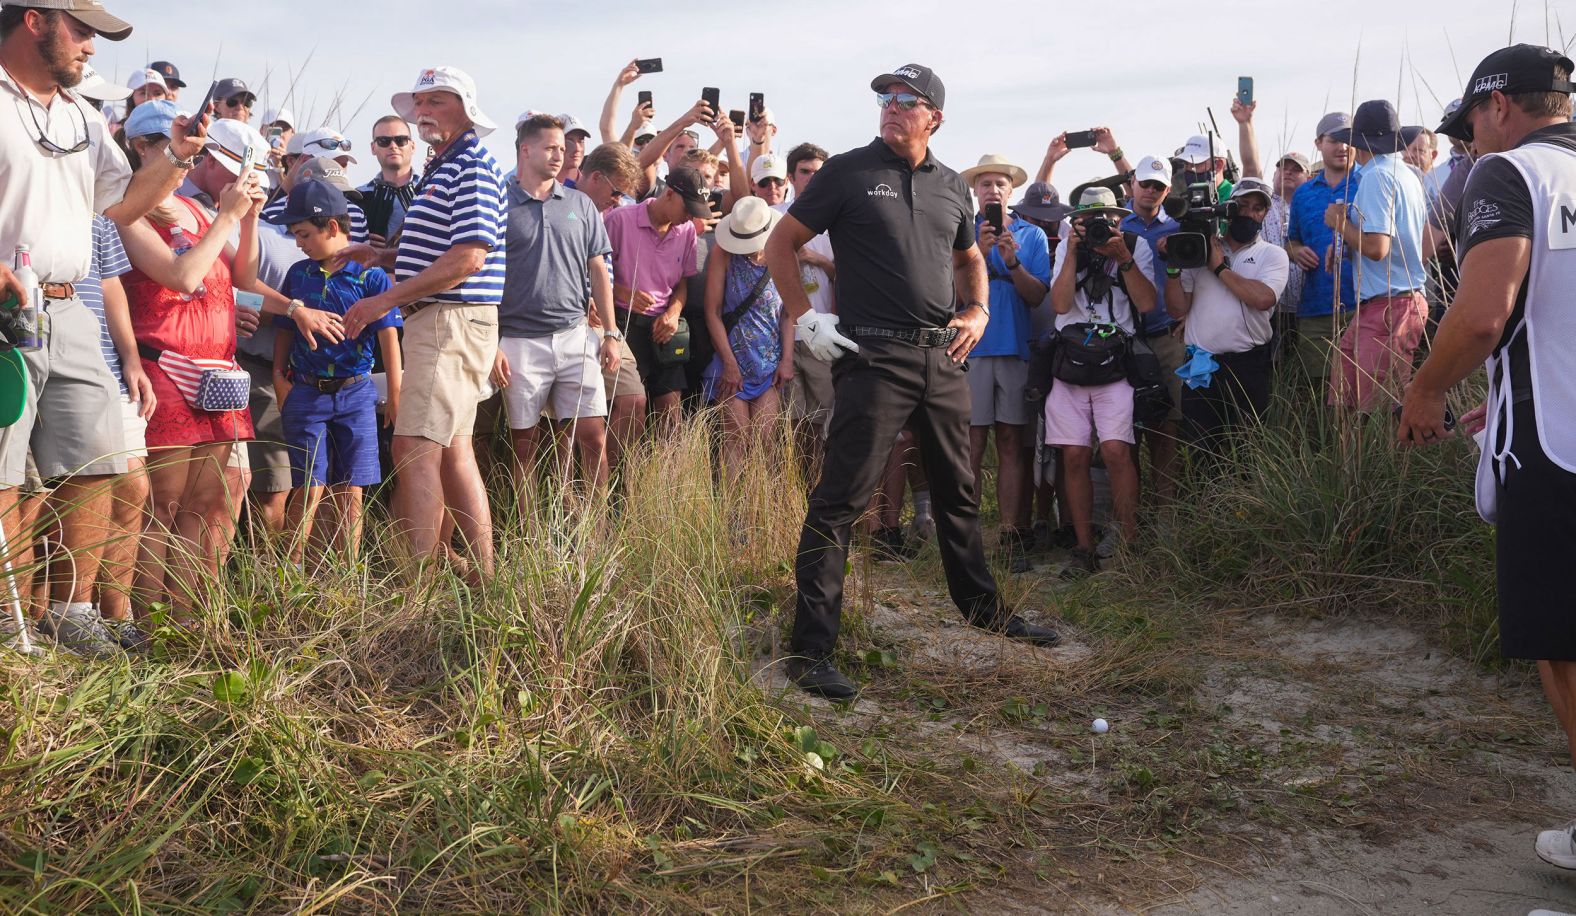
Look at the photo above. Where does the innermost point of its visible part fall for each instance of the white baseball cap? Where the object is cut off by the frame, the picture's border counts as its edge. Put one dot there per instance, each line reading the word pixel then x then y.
pixel 275 115
pixel 1196 150
pixel 769 165
pixel 572 124
pixel 446 79
pixel 96 87
pixel 228 141
pixel 140 78
pixel 324 141
pixel 1153 168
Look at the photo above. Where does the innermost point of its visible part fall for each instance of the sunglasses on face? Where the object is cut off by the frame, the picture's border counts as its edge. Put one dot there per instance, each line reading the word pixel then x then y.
pixel 386 142
pixel 907 101
pixel 329 144
pixel 238 101
pixel 1152 185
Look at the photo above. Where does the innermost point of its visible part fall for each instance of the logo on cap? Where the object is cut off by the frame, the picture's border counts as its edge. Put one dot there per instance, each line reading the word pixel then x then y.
pixel 908 72
pixel 1490 83
pixel 882 190
pixel 428 78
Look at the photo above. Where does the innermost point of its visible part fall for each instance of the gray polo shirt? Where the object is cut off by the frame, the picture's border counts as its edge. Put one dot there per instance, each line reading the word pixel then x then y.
pixel 545 278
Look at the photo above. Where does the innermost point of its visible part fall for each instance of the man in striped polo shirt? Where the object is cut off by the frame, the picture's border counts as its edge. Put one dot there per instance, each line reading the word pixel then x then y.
pixel 448 272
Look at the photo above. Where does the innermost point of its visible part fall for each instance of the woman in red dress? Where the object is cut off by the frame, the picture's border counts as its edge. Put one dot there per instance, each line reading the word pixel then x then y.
pixel 184 303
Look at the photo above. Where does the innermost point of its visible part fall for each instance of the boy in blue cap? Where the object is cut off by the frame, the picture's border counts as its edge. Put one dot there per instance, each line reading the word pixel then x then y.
pixel 328 400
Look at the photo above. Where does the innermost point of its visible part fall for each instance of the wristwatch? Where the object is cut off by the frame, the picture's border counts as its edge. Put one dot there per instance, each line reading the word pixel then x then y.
pixel 1173 271
pixel 290 309
pixel 1014 265
pixel 613 334
pixel 1116 154
pixel 1128 265
pixel 1220 268
pixel 178 162
pixel 979 305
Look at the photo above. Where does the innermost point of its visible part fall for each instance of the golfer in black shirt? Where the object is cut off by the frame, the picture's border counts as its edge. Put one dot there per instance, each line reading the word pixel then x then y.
pixel 902 231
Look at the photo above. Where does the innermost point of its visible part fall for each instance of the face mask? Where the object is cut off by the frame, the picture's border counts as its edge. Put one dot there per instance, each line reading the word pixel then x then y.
pixel 1243 229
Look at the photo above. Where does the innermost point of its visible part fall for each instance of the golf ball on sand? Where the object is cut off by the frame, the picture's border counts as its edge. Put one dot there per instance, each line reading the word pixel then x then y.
pixel 1100 726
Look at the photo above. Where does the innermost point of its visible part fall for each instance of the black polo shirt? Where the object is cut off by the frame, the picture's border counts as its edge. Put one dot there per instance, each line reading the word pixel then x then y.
pixel 893 231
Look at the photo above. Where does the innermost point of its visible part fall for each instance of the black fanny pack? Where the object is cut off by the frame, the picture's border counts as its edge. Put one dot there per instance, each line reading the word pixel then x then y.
pixel 1090 354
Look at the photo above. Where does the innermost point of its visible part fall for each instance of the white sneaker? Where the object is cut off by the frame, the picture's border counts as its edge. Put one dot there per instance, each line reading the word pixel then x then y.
pixel 1549 913
pixel 1110 544
pixel 79 628
pixel 1558 847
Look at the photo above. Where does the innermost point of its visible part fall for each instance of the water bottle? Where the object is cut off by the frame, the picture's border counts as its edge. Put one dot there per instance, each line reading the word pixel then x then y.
pixel 27 311
pixel 180 244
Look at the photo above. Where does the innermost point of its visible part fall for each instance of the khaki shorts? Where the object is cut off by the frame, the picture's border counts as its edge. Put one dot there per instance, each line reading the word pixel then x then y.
pixel 267 454
pixel 71 421
pixel 449 351
pixel 1172 353
pixel 810 395
pixel 1310 354
pixel 134 426
pixel 626 380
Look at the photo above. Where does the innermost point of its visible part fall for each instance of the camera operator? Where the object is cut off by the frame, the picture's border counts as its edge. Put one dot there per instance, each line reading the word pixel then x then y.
pixel 1098 285
pixel 1227 307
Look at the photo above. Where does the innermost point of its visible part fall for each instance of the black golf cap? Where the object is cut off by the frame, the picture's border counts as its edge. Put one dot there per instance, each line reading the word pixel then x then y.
pixel 1518 68
pixel 172 76
pixel 921 79
pixel 1376 127
pixel 688 184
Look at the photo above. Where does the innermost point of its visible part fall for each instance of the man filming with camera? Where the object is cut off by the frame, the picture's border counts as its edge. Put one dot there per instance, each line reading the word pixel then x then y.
pixel 1227 303
pixel 1098 287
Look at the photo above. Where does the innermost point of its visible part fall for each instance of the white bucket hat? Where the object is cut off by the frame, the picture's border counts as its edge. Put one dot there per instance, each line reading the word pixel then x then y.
pixel 446 79
pixel 744 230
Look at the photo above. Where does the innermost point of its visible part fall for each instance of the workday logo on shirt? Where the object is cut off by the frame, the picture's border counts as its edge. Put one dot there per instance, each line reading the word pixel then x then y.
pixel 882 190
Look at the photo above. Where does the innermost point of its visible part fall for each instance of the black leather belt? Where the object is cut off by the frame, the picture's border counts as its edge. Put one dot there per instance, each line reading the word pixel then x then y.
pixel 330 385
pixel 919 337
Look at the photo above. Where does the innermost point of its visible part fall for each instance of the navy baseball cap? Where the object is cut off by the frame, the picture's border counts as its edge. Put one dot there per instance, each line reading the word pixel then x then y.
pixel 172 76
pixel 230 88
pixel 1518 68
pixel 917 77
pixel 311 198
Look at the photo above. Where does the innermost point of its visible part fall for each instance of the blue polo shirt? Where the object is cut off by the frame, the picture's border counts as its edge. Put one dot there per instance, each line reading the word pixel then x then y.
pixel 335 293
pixel 1391 201
pixel 1306 226
pixel 1153 231
pixel 1007 332
pixel 460 201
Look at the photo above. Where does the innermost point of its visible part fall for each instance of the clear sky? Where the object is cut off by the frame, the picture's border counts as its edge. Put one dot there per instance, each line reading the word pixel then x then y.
pixel 1014 78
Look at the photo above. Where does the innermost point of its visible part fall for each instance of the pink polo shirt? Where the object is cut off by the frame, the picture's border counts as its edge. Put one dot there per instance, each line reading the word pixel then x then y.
pixel 643 260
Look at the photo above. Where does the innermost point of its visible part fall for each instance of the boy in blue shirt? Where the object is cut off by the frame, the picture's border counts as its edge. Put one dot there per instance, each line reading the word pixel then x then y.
pixel 328 401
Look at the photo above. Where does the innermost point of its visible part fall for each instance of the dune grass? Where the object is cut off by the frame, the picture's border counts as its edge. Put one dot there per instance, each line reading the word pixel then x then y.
pixel 584 732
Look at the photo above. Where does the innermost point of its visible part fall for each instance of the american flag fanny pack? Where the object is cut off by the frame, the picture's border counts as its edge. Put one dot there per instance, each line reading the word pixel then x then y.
pixel 212 385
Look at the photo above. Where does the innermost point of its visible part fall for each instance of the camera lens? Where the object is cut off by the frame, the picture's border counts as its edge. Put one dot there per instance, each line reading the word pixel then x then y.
pixel 1098 231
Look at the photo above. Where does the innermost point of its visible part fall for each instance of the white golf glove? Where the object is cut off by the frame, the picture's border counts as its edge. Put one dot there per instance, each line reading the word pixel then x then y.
pixel 819 333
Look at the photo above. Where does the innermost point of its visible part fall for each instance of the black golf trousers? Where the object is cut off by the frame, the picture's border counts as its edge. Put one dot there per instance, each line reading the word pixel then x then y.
pixel 886 385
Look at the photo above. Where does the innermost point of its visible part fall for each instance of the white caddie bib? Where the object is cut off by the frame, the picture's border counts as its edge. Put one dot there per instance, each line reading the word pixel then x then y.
pixel 1548 322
